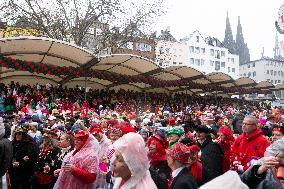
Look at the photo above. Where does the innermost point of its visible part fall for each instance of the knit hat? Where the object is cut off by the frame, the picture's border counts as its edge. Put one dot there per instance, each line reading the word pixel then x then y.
pixel 175 130
pixel 179 152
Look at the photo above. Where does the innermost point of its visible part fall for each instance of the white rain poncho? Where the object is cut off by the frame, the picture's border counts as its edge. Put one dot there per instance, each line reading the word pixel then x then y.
pixel 132 148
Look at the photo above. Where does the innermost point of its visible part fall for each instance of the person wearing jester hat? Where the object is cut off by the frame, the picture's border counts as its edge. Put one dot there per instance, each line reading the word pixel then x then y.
pixel 79 167
pixel 174 134
pixel 178 158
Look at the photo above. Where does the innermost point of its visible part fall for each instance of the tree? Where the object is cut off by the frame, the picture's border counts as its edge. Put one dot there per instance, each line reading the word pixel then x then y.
pixel 107 21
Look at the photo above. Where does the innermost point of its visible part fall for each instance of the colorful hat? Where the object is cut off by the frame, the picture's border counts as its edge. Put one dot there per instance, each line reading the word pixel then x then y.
pixel 20 129
pixel 179 152
pixel 83 135
pixel 227 132
pixel 175 130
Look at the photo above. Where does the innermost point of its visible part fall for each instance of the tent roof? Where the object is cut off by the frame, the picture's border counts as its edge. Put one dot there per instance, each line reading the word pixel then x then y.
pixel 59 53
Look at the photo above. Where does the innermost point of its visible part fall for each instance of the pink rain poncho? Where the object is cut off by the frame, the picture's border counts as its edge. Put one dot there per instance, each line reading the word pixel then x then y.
pixel 86 159
pixel 132 148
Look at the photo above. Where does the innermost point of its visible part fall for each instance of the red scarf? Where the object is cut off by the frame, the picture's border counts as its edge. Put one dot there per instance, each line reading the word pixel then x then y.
pixel 157 158
pixel 196 171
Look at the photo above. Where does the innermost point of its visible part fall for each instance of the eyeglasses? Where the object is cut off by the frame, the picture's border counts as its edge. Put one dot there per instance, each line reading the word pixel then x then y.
pixel 249 124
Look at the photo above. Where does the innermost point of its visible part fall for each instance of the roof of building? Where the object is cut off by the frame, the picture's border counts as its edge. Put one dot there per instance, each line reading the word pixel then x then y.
pixel 167 36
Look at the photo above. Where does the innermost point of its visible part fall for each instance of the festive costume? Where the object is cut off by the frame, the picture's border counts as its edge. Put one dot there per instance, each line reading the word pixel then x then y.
pixel 85 161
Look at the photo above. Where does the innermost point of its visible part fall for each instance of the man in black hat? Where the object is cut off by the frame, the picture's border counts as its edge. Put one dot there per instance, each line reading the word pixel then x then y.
pixel 211 153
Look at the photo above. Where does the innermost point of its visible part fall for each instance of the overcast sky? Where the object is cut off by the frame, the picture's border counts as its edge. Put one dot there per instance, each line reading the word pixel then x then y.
pixel 209 17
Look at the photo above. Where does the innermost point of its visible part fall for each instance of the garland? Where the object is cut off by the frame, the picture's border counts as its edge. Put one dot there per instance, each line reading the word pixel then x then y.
pixel 65 71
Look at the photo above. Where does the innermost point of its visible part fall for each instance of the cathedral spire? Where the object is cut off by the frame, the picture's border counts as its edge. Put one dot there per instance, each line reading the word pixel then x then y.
pixel 241 47
pixel 276 47
pixel 229 42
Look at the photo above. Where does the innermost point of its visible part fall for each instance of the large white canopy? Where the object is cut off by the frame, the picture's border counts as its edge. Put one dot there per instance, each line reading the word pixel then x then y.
pixel 59 53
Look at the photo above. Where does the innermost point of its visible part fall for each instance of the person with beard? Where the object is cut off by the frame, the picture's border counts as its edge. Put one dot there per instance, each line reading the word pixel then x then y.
pixel 24 157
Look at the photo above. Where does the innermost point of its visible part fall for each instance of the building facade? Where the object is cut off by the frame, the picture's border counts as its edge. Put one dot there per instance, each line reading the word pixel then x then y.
pixel 170 52
pixel 206 55
pixel 265 69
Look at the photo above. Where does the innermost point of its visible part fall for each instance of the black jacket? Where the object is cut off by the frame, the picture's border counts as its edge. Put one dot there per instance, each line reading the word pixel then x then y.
pixel 184 180
pixel 212 158
pixel 6 154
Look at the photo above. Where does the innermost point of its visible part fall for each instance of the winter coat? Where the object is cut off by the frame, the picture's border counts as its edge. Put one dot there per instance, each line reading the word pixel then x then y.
pixel 25 169
pixel 246 148
pixel 6 154
pixel 211 158
pixel 267 180
pixel 184 180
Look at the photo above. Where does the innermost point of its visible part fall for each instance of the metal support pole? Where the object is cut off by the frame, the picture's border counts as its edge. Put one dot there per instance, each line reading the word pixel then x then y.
pixel 85 88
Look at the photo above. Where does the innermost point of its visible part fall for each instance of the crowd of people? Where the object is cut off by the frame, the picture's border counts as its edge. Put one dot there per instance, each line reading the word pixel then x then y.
pixel 55 137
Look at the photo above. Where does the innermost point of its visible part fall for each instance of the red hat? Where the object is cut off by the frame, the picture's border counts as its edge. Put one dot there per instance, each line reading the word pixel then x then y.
pixel 172 121
pixel 96 130
pixel 126 130
pixel 161 144
pixel 227 132
pixel 83 135
pixel 180 152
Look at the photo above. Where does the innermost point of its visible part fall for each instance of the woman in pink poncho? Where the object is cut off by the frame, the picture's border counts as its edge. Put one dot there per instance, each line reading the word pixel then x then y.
pixel 79 167
pixel 131 164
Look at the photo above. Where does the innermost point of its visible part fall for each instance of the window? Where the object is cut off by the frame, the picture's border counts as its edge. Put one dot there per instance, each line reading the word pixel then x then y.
pixel 212 52
pixel 253 64
pixel 232 60
pixel 271 72
pixel 191 49
pixel 143 47
pixel 211 63
pixel 222 53
pixel 197 39
pixel 275 81
pixel 174 63
pixel 279 73
pixel 233 70
pixel 267 71
pixel 229 59
pixel 223 64
pixel 180 63
pixel 254 74
pixel 192 61
pixel 217 65
pixel 197 62
pixel 197 50
pixel 128 45
pixel 202 62
pixel 203 50
pixel 279 81
pixel 217 54
pixel 275 72
pixel 245 75
pixel 248 65
pixel 161 50
pixel 249 74
pixel 229 69
pixel 161 62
